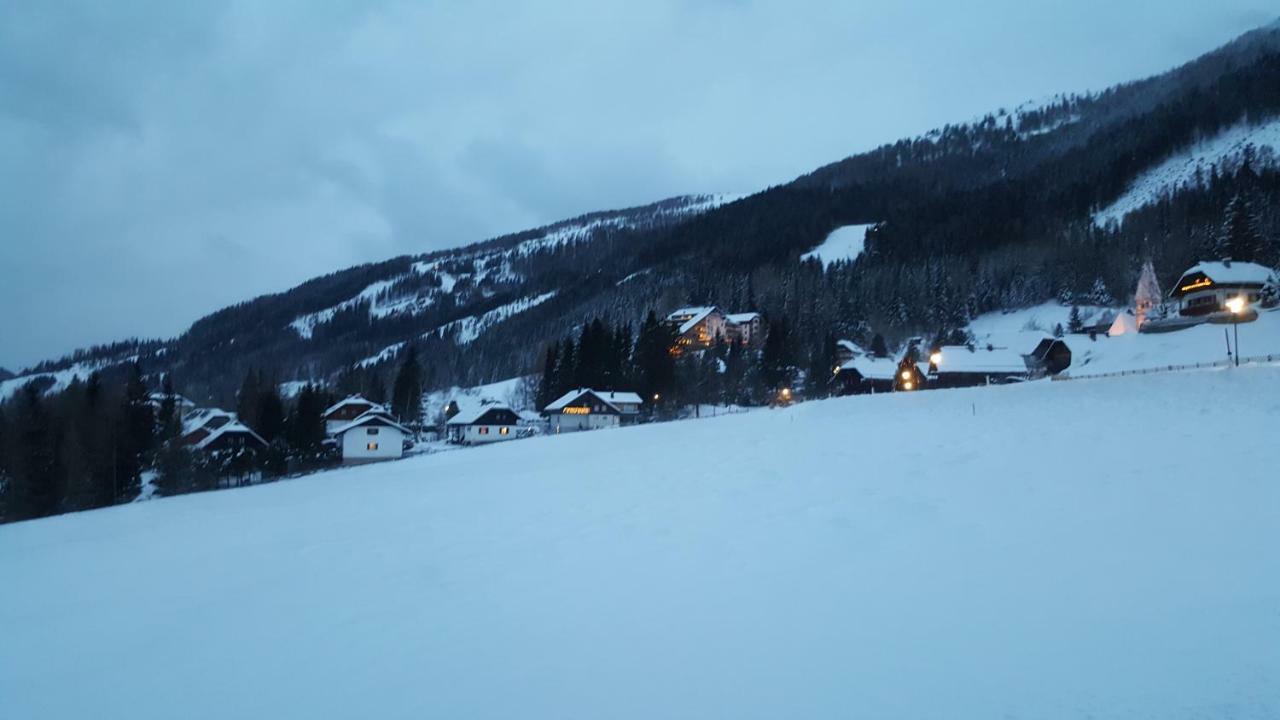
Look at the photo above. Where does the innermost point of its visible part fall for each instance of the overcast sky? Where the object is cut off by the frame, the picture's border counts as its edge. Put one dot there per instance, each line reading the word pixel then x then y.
pixel 161 160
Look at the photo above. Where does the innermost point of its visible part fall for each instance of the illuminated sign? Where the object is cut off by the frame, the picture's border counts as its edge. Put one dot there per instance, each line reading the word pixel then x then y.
pixel 1201 283
pixel 576 411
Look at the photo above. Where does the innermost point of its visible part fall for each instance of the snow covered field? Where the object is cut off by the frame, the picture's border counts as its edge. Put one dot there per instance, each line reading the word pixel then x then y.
pixel 842 244
pixel 1102 549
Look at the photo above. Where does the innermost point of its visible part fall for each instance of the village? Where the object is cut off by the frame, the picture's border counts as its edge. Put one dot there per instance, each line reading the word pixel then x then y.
pixel 358 430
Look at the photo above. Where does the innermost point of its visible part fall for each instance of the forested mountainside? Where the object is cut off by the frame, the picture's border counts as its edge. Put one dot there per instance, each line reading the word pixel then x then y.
pixel 999 213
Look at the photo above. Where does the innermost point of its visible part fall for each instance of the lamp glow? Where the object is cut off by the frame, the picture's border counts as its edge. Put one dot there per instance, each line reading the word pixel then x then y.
pixel 936 358
pixel 1236 305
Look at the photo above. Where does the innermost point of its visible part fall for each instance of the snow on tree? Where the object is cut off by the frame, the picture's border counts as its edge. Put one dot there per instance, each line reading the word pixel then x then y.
pixel 1100 295
pixel 1239 237
pixel 1148 296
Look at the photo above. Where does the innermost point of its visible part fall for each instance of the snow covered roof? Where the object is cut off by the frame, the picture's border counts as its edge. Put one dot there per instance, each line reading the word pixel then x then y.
pixel 1232 273
pixel 158 398
pixel 872 368
pixel 376 416
pixel 851 347
pixel 611 398
pixel 690 316
pixel 235 427
pixel 352 400
pixel 197 419
pixel 468 415
pixel 741 318
pixel 959 358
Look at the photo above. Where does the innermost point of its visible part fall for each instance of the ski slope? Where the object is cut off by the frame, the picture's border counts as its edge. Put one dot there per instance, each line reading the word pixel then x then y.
pixel 844 244
pixel 1100 549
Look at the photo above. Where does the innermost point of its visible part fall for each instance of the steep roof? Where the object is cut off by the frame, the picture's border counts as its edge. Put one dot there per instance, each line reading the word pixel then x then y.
pixel 234 427
pixel 351 400
pixel 1232 273
pixel 372 417
pixel 959 358
pixel 469 415
pixel 872 368
pixel 693 315
pixel 610 398
pixel 201 417
pixel 851 347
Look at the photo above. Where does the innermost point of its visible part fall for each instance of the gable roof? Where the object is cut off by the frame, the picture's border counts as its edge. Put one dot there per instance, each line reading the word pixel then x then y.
pixel 235 427
pixel 692 315
pixel 372 417
pixel 850 347
pixel 872 368
pixel 201 417
pixel 1230 273
pixel 959 358
pixel 351 400
pixel 470 414
pixel 609 397
pixel 741 318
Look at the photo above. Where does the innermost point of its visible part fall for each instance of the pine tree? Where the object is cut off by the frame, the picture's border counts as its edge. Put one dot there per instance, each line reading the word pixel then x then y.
pixel 1239 237
pixel 878 347
pixel 170 423
pixel 547 385
pixel 270 414
pixel 136 437
pixel 1100 295
pixel 247 400
pixel 406 392
pixel 1074 322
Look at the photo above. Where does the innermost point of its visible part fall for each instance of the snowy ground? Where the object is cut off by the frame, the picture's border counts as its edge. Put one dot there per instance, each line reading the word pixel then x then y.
pixel 1101 549
pixel 844 243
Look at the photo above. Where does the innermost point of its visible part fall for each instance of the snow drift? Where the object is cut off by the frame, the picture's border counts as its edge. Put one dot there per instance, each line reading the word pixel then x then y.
pixel 1097 549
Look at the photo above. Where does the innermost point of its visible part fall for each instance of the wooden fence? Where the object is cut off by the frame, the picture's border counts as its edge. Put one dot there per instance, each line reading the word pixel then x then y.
pixel 1171 368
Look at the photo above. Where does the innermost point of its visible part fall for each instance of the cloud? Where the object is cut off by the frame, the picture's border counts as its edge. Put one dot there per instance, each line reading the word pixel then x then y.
pixel 159 160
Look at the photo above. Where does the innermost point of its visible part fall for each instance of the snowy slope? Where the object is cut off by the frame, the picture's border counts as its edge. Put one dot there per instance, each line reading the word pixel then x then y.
pixel 60 378
pixel 844 243
pixel 1180 170
pixel 984 553
pixel 1200 344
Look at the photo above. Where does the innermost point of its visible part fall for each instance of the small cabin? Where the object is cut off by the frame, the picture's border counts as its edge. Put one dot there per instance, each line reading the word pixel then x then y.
pixel 587 409
pixel 963 366
pixel 1207 286
pixel 847 350
pixel 344 411
pixel 485 423
pixel 865 374
pixel 1050 356
pixel 371 437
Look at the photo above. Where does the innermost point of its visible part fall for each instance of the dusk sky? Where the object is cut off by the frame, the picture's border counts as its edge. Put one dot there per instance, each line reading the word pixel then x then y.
pixel 160 160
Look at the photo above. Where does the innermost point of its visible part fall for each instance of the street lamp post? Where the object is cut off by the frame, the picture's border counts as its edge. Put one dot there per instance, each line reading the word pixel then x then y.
pixel 1236 305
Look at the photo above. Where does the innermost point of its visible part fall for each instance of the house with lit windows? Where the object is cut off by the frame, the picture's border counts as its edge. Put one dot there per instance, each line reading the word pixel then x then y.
pixel 697 328
pixel 484 423
pixel 371 437
pixel 1207 286
pixel 587 409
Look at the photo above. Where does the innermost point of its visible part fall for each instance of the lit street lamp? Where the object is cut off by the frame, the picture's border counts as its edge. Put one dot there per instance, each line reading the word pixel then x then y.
pixel 1236 305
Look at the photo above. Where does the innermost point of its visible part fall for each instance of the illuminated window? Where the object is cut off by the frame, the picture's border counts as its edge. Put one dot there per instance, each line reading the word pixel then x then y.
pixel 484 431
pixel 504 431
pixel 371 446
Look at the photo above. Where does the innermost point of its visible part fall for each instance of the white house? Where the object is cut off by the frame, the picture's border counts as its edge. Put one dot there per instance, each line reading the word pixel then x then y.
pixel 743 328
pixel 486 423
pixel 371 437
pixel 587 409
pixel 1207 286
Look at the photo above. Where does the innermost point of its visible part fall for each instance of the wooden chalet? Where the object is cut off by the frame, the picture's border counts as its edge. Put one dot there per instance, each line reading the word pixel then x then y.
pixel 1206 287
pixel 865 374
pixel 964 366
pixel 487 422
pixel 587 409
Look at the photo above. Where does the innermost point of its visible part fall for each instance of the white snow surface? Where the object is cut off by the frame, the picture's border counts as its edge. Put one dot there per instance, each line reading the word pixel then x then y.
pixel 1014 560
pixel 1179 170
pixel 844 243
